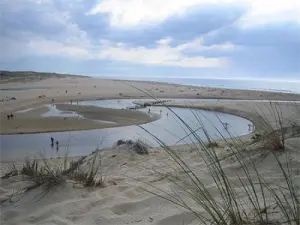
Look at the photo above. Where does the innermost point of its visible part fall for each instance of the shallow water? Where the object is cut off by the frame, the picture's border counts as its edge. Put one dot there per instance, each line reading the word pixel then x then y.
pixel 55 112
pixel 168 128
pixel 25 110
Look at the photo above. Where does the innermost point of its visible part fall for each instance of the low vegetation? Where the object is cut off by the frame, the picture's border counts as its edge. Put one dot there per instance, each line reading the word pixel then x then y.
pixel 52 172
pixel 274 134
pixel 21 76
pixel 137 146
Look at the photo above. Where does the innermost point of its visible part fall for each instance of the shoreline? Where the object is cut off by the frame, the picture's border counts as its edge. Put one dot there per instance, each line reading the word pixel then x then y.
pixel 61 90
pixel 206 106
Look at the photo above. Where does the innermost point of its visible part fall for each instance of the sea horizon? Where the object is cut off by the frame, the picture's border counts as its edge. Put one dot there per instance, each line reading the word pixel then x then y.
pixel 240 84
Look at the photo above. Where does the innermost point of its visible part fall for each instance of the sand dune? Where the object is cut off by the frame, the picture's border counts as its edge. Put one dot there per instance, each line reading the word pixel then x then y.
pixel 122 201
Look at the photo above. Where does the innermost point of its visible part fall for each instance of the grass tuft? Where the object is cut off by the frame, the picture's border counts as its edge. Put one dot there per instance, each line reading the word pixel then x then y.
pixel 137 146
pixel 52 172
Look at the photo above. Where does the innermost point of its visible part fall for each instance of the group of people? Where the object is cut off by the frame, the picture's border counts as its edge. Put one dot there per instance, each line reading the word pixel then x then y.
pixel 149 110
pixel 52 143
pixel 10 116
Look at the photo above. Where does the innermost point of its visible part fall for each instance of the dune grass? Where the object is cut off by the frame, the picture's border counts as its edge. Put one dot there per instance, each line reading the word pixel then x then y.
pixel 49 173
pixel 138 146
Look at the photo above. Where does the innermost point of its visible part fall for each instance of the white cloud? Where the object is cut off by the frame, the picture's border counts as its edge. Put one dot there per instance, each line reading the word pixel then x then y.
pixel 271 11
pixel 135 12
pixel 197 45
pixel 162 54
pixel 48 47
pixel 165 41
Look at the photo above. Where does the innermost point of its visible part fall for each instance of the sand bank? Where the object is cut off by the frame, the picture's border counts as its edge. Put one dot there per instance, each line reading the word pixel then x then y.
pixel 92 118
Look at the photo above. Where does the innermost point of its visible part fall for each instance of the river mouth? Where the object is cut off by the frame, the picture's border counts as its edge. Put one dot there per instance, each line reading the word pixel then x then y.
pixel 168 128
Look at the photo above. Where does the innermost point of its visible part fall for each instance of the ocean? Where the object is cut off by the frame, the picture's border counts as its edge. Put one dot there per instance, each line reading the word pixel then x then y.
pixel 263 85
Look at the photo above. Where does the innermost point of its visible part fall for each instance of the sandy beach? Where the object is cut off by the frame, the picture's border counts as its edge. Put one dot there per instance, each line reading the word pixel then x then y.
pixel 130 179
pixel 37 93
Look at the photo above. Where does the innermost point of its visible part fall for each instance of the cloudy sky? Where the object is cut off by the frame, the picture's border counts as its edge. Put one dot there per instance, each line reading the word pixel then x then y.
pixel 170 38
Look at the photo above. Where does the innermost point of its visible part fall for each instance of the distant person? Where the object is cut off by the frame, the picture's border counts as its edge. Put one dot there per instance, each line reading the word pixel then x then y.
pixel 52 140
pixel 57 144
pixel 160 111
pixel 149 110
pixel 11 116
pixel 167 114
pixel 8 117
pixel 71 102
pixel 66 91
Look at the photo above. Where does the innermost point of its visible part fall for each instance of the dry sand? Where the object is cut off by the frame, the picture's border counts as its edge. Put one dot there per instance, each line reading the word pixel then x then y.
pixel 122 201
pixel 93 88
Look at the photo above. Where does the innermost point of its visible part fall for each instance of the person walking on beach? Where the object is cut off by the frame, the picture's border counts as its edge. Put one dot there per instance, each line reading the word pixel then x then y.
pixel 52 142
pixel 57 145
pixel 8 117
pixel 149 110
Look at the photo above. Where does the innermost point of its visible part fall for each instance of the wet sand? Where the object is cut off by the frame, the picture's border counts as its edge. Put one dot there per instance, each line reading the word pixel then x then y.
pixel 93 118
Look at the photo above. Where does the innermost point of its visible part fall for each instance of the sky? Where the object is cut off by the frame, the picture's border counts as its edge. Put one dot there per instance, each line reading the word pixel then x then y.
pixel 226 39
